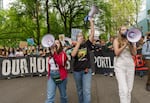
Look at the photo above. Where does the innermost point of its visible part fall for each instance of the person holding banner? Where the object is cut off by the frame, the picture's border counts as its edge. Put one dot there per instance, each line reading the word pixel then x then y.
pixel 57 73
pixel 124 65
pixel 146 54
pixel 81 68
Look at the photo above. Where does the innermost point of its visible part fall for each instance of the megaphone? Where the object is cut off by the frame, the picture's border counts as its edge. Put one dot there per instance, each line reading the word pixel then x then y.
pixel 48 40
pixel 134 35
pixel 94 10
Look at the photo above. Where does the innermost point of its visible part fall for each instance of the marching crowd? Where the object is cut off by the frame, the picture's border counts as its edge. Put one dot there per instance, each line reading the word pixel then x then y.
pixel 98 45
pixel 82 53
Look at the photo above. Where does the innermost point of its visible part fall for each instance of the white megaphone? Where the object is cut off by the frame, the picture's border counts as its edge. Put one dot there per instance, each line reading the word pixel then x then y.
pixel 94 10
pixel 134 35
pixel 48 40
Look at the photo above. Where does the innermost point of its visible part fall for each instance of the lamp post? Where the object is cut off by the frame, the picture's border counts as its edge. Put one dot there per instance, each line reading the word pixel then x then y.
pixel 148 20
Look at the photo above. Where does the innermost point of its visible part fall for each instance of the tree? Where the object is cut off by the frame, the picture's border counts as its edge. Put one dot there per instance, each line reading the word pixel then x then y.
pixel 34 18
pixel 56 24
pixel 123 12
pixel 69 10
pixel 31 15
pixel 47 15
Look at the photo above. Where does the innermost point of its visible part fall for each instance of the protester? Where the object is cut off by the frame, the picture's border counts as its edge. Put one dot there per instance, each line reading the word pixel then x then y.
pixel 124 65
pixel 104 52
pixel 19 52
pixel 81 70
pixel 3 52
pixel 110 51
pixel 139 45
pixel 92 62
pixel 57 73
pixel 146 54
pixel 11 52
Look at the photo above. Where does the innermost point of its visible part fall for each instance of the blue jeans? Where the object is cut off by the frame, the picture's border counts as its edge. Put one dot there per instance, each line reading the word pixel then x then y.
pixel 51 90
pixel 83 84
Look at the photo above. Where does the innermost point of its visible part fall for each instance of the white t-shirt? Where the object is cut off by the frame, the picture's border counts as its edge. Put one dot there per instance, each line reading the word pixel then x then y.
pixel 52 64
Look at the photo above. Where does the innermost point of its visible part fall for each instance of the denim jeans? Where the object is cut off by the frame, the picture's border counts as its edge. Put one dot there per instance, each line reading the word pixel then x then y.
pixel 51 90
pixel 83 84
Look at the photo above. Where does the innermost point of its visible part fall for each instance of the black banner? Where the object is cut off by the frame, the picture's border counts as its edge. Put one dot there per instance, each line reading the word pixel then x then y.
pixel 22 66
pixel 103 59
pixel 37 65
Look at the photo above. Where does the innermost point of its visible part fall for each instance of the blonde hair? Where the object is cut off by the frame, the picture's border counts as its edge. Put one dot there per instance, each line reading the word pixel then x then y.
pixel 80 33
pixel 120 38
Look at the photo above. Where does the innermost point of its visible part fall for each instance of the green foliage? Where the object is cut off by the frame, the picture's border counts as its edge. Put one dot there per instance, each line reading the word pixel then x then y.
pixel 124 12
pixel 71 13
pixel 103 36
pixel 27 18
pixel 56 25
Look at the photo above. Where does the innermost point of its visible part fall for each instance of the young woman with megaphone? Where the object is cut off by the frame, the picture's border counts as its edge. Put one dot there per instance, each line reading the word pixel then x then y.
pixel 124 65
pixel 57 72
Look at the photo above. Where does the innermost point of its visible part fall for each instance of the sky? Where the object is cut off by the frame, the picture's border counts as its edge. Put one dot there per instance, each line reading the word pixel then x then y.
pixel 6 3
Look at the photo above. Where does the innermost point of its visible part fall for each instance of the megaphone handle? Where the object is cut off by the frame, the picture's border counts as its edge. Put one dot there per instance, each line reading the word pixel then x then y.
pixel 134 44
pixel 86 18
pixel 89 17
pixel 51 52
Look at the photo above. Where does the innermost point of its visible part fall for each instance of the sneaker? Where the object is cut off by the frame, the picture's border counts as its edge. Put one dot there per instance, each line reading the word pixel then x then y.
pixel 8 78
pixel 105 74
pixel 93 73
pixel 111 75
pixel 40 75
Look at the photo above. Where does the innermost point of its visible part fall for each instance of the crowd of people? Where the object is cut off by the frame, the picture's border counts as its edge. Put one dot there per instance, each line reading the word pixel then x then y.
pixel 82 54
pixel 26 51
pixel 123 51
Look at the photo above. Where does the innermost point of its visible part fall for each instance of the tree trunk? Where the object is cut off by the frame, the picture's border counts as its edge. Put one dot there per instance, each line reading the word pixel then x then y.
pixel 65 26
pixel 37 22
pixel 70 27
pixel 47 19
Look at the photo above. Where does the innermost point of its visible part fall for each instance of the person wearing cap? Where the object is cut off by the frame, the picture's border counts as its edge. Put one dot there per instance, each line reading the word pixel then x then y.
pixel 146 54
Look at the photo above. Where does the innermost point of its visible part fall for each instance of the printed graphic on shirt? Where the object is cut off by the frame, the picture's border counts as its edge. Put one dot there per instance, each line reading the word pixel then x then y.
pixel 81 54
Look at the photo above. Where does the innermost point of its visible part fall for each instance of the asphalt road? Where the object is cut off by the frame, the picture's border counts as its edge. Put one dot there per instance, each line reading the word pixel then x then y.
pixel 33 90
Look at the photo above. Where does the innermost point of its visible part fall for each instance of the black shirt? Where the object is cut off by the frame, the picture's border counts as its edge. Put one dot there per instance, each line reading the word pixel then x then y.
pixel 82 59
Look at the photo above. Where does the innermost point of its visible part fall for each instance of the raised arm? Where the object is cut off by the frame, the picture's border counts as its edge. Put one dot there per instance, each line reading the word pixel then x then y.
pixel 92 31
pixel 77 46
pixel 133 48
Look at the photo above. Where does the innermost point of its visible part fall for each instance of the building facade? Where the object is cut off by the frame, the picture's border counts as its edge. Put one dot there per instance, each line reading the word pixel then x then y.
pixel 144 17
pixel 1 4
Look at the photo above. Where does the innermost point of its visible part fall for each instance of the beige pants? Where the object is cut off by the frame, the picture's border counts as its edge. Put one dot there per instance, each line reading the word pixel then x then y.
pixel 147 62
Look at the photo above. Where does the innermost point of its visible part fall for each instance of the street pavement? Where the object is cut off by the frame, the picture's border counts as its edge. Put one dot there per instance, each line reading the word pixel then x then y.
pixel 33 90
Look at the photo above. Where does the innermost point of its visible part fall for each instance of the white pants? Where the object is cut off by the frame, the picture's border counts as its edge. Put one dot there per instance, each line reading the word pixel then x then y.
pixel 125 78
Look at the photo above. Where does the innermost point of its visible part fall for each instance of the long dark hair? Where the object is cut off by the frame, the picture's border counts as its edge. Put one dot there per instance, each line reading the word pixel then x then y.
pixel 60 49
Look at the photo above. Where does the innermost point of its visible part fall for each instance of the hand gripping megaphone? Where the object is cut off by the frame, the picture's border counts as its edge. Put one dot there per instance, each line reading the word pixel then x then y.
pixel 94 10
pixel 48 40
pixel 134 35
